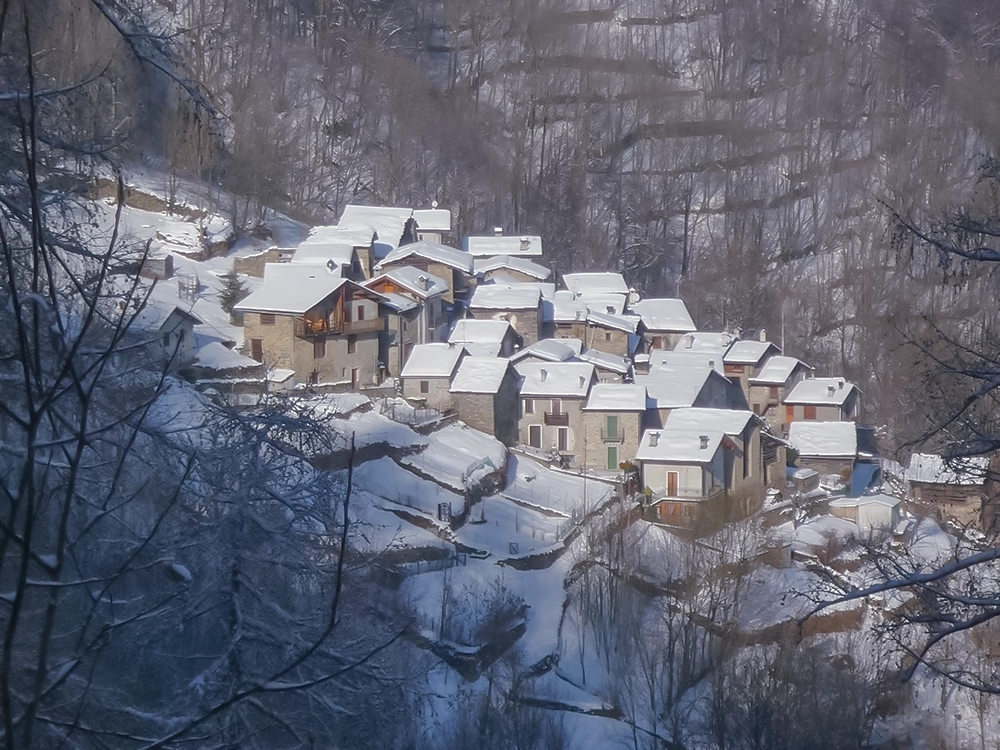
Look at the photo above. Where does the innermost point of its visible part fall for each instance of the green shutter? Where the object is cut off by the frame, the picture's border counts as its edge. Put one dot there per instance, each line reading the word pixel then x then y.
pixel 612 458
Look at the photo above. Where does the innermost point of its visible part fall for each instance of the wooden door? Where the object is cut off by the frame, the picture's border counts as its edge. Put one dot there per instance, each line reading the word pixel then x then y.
pixel 672 482
pixel 257 349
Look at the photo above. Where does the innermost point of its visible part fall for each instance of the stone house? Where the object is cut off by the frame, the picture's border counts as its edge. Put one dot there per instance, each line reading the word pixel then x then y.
pixel 568 317
pixel 664 322
pixel 607 332
pixel 768 388
pixel 553 395
pixel 404 329
pixel 428 374
pixel 826 447
pixel 822 400
pixel 608 367
pixel 444 262
pixel 484 391
pixel 168 330
pixel 485 338
pixel 322 327
pixel 612 419
pixel 745 359
pixel 955 488
pixel 549 350
pixel 518 304
pixel 423 287
pixel 591 286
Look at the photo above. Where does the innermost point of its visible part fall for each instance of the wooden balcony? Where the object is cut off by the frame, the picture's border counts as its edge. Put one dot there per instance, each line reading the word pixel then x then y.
pixel 304 328
pixel 557 419
pixel 362 326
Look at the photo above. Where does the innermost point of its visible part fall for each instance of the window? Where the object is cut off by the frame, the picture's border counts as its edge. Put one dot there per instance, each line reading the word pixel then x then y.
pixel 789 414
pixel 352 343
pixel 529 406
pixel 612 457
pixel 535 436
pixel 257 349
pixel 319 348
pixel 611 422
pixel 166 341
pixel 774 393
pixel 809 412
pixel 267 319
pixel 607 336
pixel 425 387
pixel 361 311
pixel 673 478
pixel 556 406
pixel 564 438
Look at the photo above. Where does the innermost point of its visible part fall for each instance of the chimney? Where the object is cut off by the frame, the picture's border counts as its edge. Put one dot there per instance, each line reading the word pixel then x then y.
pixel 711 363
pixel 840 384
pixel 583 381
pixel 688 341
pixel 703 439
pixel 830 390
pixel 498 231
pixel 763 334
pixel 425 282
pixel 610 309
pixel 543 374
pixel 654 438
pixel 726 339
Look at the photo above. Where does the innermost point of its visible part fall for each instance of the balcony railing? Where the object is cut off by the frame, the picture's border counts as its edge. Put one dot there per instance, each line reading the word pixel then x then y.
pixel 612 437
pixel 684 493
pixel 305 327
pixel 557 418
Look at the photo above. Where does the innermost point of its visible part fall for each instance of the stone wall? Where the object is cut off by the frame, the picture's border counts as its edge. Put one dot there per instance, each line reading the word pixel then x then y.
pixel 573 407
pixel 595 423
pixel 526 322
pixel 609 340
pixel 437 396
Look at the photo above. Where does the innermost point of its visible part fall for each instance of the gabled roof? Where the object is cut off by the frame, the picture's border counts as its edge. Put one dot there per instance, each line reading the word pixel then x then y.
pixel 930 468
pixel 324 246
pixel 422 284
pixel 527 245
pixel 433 219
pixel 328 236
pixel 618 322
pixel 664 315
pixel 705 341
pixel 471 330
pixel 674 387
pixel 749 352
pixel 605 361
pixel 293 289
pixel 432 361
pixel 729 421
pixel 686 358
pixel 506 297
pixel 777 370
pixel 820 392
pixel 525 266
pixel 480 375
pixel 824 439
pixel 432 251
pixel 595 283
pixel 679 446
pixel 551 350
pixel 155 314
pixel 567 309
pixel 387 222
pixel 609 304
pixel 559 379
pixel 399 302
pixel 616 397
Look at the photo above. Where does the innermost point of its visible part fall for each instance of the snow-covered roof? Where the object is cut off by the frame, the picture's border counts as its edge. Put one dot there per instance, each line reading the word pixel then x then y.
pixel 387 222
pixel 616 397
pixel 155 313
pixel 505 297
pixel 749 352
pixel 216 356
pixel 930 468
pixel 686 358
pixel 777 370
pixel 821 392
pixel 669 315
pixel 432 361
pixel 617 322
pixel 433 219
pixel 609 304
pixel 679 446
pixel 852 502
pixel 292 289
pixel 423 284
pixel 480 375
pixel 481 348
pixel 490 245
pixel 563 379
pixel 324 245
pixel 705 341
pixel 479 331
pixel 729 421
pixel 399 302
pixel 551 350
pixel 606 361
pixel 432 251
pixel 673 387
pixel 598 282
pixel 525 266
pixel 824 439
pixel 566 308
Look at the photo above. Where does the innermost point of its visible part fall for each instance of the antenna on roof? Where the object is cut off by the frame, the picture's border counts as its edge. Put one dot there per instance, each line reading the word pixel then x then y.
pixel 434 204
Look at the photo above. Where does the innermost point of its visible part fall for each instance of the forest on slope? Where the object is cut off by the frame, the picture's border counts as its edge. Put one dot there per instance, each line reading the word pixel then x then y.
pixel 754 157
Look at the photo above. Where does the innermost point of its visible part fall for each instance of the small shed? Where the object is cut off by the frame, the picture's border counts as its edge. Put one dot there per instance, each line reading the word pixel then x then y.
pixel 869 512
